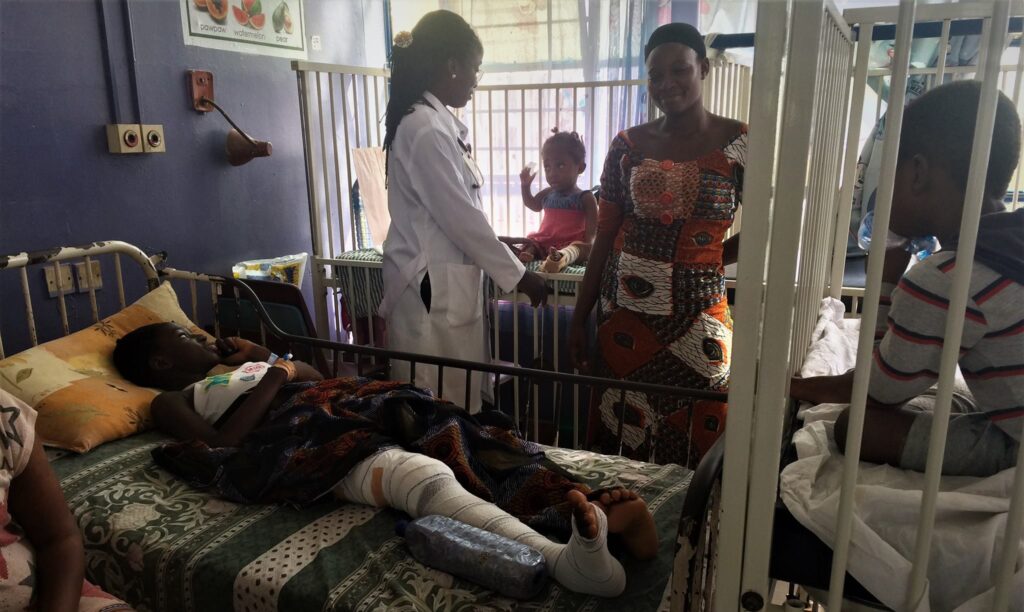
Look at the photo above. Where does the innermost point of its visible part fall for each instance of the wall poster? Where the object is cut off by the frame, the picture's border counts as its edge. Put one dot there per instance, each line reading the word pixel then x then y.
pixel 265 27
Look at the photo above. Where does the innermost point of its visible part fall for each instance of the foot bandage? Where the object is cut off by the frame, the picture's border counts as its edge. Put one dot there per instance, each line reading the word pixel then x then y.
pixel 419 485
pixel 575 253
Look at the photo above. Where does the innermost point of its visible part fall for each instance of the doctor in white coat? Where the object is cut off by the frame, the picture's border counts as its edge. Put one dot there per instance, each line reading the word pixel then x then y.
pixel 440 245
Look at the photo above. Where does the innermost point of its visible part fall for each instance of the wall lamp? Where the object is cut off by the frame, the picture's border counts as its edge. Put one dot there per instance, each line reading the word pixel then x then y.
pixel 241 148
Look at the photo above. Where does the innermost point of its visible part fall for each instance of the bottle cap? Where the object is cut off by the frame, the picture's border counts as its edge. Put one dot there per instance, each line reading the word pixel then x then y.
pixel 400 527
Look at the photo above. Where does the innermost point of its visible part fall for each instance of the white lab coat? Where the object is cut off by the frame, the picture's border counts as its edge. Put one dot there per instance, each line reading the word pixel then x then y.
pixel 438 228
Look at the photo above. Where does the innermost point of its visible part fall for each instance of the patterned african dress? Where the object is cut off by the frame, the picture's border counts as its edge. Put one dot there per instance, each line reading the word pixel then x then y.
pixel 663 316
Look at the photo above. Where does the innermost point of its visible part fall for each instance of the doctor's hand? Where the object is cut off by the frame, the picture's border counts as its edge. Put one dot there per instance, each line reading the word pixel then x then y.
pixel 533 285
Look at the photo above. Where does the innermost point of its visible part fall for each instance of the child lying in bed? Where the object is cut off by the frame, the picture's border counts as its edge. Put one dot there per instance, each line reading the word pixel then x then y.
pixel 931 178
pixel 41 555
pixel 377 443
pixel 569 224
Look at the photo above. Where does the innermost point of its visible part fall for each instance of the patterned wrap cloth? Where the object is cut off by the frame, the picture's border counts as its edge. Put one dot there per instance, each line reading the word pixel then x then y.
pixel 663 316
pixel 318 435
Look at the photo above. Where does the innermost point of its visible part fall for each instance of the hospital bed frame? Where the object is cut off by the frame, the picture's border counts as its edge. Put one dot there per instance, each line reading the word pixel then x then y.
pixel 44 323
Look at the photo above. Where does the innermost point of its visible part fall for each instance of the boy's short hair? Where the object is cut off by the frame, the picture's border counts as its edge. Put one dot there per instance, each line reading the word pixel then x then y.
pixel 940 126
pixel 570 142
pixel 132 353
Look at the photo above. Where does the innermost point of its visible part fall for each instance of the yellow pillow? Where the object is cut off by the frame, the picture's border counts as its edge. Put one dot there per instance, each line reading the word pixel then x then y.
pixel 72 383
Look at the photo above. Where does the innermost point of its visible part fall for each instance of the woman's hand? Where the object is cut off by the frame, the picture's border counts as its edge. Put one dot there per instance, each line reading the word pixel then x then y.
pixel 236 351
pixel 578 346
pixel 534 286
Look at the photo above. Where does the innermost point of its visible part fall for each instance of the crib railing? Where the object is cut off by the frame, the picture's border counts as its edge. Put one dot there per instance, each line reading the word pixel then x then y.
pixel 769 344
pixel 342 108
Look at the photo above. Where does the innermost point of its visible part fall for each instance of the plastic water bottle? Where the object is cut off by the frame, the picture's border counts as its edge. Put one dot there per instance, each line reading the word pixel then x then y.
pixel 920 247
pixel 487 559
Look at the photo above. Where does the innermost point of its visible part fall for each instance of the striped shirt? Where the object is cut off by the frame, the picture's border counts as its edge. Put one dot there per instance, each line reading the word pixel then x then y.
pixel 912 326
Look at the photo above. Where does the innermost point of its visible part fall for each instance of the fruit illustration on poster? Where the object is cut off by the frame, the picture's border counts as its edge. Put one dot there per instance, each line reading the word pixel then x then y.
pixel 282 19
pixel 218 9
pixel 249 13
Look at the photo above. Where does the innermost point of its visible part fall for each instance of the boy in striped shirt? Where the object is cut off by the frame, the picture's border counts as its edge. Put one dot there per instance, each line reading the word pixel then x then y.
pixel 931 178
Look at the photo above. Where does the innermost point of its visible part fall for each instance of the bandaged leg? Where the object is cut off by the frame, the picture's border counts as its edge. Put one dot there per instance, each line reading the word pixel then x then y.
pixel 419 486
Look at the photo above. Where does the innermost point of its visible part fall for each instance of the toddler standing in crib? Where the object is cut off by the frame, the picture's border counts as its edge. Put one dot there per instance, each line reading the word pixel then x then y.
pixel 569 224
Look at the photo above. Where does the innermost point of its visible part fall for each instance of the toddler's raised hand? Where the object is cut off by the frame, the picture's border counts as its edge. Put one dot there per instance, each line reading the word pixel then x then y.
pixel 527 175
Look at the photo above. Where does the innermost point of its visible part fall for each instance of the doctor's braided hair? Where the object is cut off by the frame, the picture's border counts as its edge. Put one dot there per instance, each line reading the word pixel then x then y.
pixel 437 37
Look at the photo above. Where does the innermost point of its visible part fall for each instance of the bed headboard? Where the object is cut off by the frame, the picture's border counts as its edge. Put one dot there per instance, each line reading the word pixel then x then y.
pixel 64 289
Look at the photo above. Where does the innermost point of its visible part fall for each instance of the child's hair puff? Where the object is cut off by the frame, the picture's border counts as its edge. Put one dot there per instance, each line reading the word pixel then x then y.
pixel 569 142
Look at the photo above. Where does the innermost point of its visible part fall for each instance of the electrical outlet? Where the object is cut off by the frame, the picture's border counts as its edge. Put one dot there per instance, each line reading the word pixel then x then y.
pixel 94 280
pixel 200 85
pixel 124 138
pixel 67 283
pixel 316 43
pixel 153 139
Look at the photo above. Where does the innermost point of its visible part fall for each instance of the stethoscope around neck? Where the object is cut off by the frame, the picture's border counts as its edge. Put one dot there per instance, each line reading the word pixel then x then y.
pixel 467 155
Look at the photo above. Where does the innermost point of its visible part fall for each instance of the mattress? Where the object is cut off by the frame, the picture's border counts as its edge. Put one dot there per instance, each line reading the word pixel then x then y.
pixel 162 545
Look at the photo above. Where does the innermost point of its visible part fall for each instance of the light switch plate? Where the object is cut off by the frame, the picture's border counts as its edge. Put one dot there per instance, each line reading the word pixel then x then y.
pixel 94 280
pixel 66 280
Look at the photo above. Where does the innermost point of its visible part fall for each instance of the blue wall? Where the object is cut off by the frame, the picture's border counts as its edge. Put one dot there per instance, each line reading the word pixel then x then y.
pixel 58 184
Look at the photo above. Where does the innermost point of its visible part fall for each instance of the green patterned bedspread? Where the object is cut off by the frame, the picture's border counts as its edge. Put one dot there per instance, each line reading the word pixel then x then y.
pixel 162 545
pixel 363 285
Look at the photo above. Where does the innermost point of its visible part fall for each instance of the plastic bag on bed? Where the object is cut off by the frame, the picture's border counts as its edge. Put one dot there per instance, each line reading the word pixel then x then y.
pixel 286 269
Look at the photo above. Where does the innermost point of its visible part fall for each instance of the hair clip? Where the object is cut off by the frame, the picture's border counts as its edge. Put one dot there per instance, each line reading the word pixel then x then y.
pixel 403 39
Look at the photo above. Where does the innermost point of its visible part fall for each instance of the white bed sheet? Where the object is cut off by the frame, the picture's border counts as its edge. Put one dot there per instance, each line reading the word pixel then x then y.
pixel 971 512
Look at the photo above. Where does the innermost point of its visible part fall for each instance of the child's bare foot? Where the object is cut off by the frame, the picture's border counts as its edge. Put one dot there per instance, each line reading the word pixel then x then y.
pixel 584 564
pixel 584 513
pixel 629 517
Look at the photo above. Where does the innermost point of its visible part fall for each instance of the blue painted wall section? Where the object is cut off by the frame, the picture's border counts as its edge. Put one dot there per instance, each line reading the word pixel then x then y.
pixel 60 186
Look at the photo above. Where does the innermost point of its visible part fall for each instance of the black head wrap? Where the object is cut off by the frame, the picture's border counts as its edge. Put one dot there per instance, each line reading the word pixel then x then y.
pixel 682 33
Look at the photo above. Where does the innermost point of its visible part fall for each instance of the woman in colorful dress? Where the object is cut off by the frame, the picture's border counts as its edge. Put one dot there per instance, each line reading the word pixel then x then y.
pixel 669 194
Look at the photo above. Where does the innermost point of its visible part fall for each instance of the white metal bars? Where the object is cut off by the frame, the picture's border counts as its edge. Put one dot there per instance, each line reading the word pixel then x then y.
pixel 509 124
pixel 1011 77
pixel 865 346
pixel 975 195
pixel 830 113
pixel 62 257
pixel 341 109
pixel 812 125
pixel 996 22
pixel 343 106
pixel 770 51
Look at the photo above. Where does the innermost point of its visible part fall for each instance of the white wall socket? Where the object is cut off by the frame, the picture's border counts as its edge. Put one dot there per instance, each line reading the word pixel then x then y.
pixel 85 281
pixel 316 42
pixel 124 138
pixel 67 282
pixel 153 139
